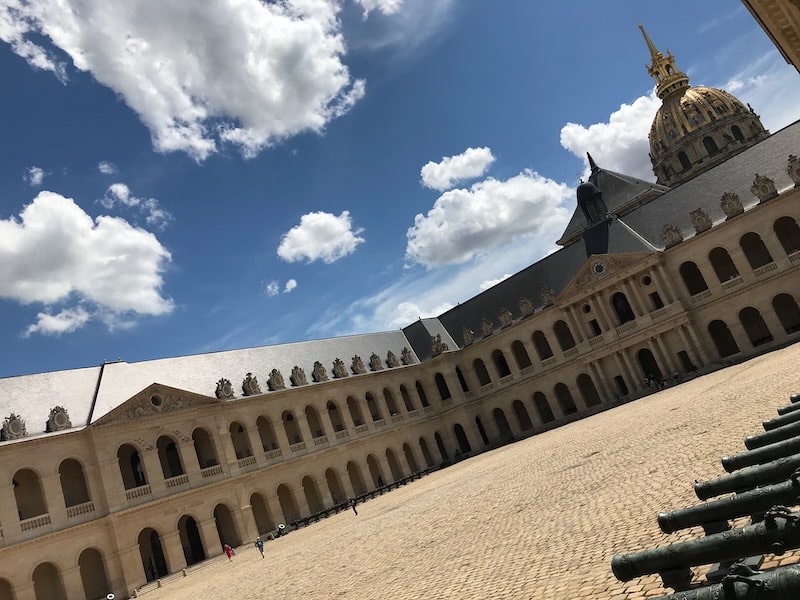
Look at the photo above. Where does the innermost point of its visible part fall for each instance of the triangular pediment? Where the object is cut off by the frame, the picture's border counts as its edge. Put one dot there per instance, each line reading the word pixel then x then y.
pixel 598 269
pixel 155 400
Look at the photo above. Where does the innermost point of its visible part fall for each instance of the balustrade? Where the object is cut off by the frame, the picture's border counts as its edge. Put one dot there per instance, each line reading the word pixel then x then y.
pixel 80 509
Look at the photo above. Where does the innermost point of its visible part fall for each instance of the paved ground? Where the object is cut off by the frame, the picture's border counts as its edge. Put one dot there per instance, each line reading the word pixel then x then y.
pixel 539 519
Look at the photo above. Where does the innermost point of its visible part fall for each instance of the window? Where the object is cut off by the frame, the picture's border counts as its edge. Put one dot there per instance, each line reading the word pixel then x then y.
pixel 655 299
pixel 595 327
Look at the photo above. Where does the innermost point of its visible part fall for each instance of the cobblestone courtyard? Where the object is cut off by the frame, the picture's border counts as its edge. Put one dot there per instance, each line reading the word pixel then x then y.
pixel 537 519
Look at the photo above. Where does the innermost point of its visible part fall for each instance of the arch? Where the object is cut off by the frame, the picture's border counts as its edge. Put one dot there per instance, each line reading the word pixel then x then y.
pixel 441 447
pixel 482 431
pixel 241 443
pixel 523 418
pixel 622 308
pixel 723 264
pixel 226 526
pixel 152 554
pixel 441 385
pixel 375 472
pixel 502 425
pixel 407 401
pixel 6 591
pixel 462 439
pixel 291 427
pixel 755 251
pixel 73 482
pixel 204 448
pixel 311 492
pixel 649 365
pixel 754 326
pixel 686 164
pixel 169 457
pixel 563 335
pixel 423 397
pixel 426 453
pixel 788 233
pixel 462 381
pixel 354 408
pixel 373 408
pixel 520 355
pixel 47 582
pixel 481 372
pixel 542 345
pixel 737 133
pixel 334 417
pixel 543 407
pixel 391 406
pixel 411 460
pixel 314 422
pixel 191 542
pixel 261 514
pixel 564 398
pixel 266 433
pixel 710 145
pixel 723 338
pixel 787 311
pixel 93 574
pixel 394 465
pixel 692 278
pixel 356 479
pixel 28 494
pixel 501 364
pixel 335 488
pixel 588 390
pixel 130 467
pixel 288 504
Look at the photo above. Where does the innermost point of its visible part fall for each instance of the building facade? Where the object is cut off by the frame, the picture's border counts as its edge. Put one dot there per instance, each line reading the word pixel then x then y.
pixel 120 474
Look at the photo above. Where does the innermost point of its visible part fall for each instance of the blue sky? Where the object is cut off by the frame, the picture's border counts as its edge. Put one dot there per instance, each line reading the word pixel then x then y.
pixel 176 180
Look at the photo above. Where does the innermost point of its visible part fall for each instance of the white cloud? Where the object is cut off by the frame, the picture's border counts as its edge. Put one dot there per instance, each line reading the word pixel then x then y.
pixel 290 285
pixel 119 193
pixel 247 72
pixel 320 236
pixel 485 285
pixel 451 170
pixel 387 7
pixel 66 321
pixel 56 254
pixel 34 176
pixel 273 288
pixel 620 144
pixel 464 223
pixel 106 168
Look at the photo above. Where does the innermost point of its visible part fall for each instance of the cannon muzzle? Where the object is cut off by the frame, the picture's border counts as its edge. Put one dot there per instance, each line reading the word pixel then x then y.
pixel 762 455
pixel 760 440
pixel 781 420
pixel 749 478
pixel 785 410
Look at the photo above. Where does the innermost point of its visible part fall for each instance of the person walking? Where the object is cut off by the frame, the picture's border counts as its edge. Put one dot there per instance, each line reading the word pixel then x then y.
pixel 260 546
pixel 353 506
pixel 228 552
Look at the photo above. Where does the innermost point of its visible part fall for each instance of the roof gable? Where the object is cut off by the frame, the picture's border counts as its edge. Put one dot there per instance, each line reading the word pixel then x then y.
pixel 155 400
pixel 597 269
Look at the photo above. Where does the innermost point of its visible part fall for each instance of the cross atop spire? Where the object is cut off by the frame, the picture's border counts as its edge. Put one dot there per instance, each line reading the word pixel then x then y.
pixel 668 77
pixel 654 53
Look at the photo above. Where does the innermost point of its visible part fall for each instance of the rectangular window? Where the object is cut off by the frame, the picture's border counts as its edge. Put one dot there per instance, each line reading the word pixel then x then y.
pixel 595 327
pixel 656 300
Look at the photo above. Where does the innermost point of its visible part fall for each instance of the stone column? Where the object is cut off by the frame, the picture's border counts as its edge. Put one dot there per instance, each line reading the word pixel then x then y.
pixel 173 551
pixel 282 437
pixel 152 470
pixel 636 378
pixel 623 373
pixel 275 509
pixel 660 362
pixel 189 459
pixel 246 523
pixel 740 262
pixel 210 537
pixel 256 447
pixel 305 429
pixel 300 499
pixel 776 250
pixel 634 299
pixel 600 379
pixel 607 322
pixel 111 485
pixel 697 344
pixel 54 499
pixel 664 283
pixel 570 310
pixel 224 445
pixel 689 347
pixel 666 356
pixel 774 324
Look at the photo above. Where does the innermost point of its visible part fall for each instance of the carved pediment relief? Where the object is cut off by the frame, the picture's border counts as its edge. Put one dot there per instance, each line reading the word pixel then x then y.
pixel 155 400
pixel 601 267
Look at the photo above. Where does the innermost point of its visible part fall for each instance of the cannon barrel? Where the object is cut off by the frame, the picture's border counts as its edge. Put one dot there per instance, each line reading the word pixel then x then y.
pixel 778 532
pixel 760 440
pixel 782 583
pixel 759 456
pixel 749 478
pixel 745 504
pixel 781 420
pixel 785 410
pixel 794 398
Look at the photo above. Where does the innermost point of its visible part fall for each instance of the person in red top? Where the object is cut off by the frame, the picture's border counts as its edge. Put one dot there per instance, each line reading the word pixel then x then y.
pixel 228 551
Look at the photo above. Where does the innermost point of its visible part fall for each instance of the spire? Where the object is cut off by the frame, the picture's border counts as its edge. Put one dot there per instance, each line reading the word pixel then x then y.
pixel 668 77
pixel 592 165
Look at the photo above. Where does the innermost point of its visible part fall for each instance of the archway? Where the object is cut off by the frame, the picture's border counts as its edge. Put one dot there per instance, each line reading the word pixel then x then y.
pixel 622 308
pixel 710 145
pixel 391 405
pixel 521 355
pixel 169 457
pixel 291 427
pixel 523 418
pixel 355 411
pixel 588 390
pixel 311 493
pixel 649 365
pixel 542 345
pixel 130 467
pixel 481 372
pixel 152 554
pixel 191 542
pixel 28 494
pixel 543 407
pixel 462 439
pixel 334 417
pixel 204 448
pixel 93 574
pixel 462 381
pixel 394 465
pixel 440 446
pixel 564 398
pixel 426 453
pixel 261 514
pixel 373 408
pixel 723 264
pixel 723 338
pixel 754 326
pixel 226 526
pixel 788 233
pixel 356 479
pixel 375 472
pixel 423 397
pixel 754 249
pixel 47 583
pixel 314 422
pixel 563 335
pixel 73 483
pixel 411 460
pixel 787 311
pixel 288 504
pixel 409 404
pixel 502 424
pixel 481 431
pixel 692 278
pixel 335 488
pixel 441 385
pixel 241 443
pixel 6 593
pixel 266 433
pixel 501 364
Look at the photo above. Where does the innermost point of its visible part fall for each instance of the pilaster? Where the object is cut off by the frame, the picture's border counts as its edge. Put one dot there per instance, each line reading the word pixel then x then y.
pixel 173 551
